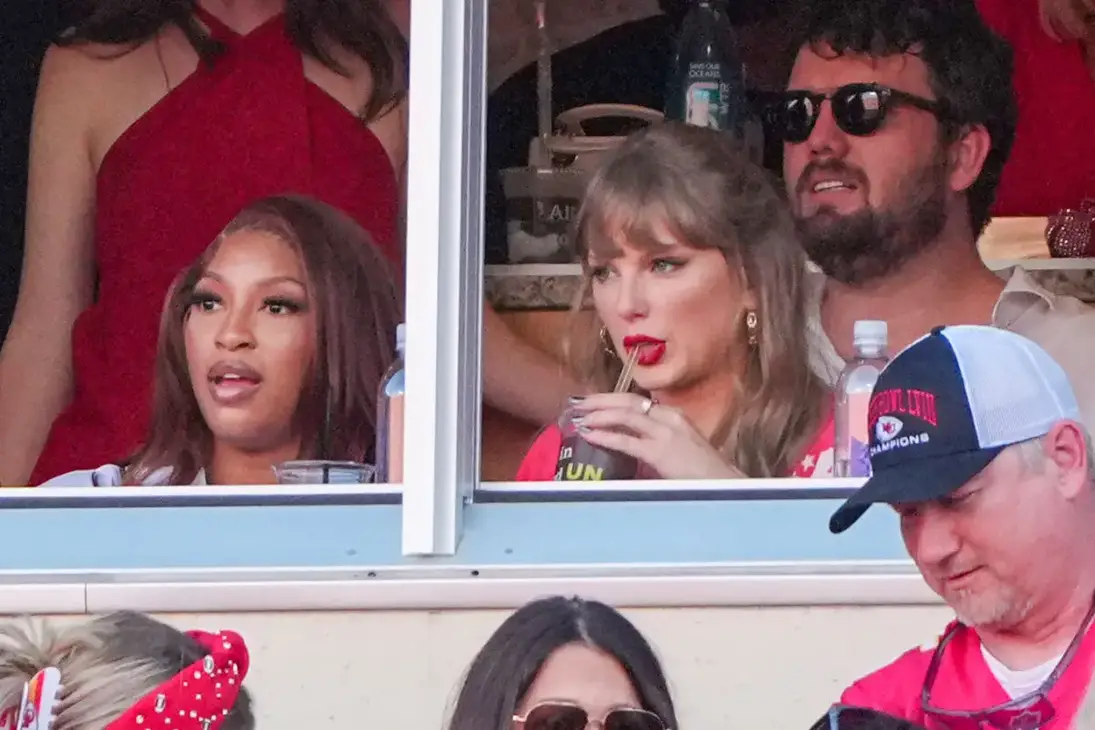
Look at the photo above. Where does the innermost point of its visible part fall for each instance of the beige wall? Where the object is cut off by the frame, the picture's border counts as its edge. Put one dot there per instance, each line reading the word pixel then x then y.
pixel 776 667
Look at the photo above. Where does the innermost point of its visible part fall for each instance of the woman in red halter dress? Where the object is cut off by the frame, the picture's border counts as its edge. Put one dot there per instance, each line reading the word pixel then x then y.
pixel 1052 162
pixel 141 155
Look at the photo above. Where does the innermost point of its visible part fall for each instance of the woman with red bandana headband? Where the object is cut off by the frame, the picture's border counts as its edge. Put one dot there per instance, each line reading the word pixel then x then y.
pixel 123 671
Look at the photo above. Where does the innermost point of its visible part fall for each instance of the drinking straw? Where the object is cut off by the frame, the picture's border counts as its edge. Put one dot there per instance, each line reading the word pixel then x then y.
pixel 623 384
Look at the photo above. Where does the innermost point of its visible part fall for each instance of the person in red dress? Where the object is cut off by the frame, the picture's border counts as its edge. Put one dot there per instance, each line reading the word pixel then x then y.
pixel 1052 163
pixel 198 109
pixel 690 258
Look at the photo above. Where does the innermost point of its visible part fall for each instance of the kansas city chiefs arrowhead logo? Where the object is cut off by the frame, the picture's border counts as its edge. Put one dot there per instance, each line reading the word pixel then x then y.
pixel 886 428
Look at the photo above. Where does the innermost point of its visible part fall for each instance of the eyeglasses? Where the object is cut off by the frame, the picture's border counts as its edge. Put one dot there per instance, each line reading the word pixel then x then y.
pixel 568 716
pixel 845 717
pixel 859 110
pixel 1028 712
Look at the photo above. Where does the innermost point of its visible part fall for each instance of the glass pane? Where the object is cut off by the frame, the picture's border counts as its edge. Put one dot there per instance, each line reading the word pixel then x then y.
pixel 557 73
pixel 276 241
pixel 567 82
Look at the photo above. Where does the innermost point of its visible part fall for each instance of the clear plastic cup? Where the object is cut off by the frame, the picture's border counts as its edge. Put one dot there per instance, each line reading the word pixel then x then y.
pixel 324 472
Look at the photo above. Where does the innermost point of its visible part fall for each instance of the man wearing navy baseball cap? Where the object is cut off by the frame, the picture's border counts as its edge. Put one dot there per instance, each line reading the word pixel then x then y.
pixel 976 443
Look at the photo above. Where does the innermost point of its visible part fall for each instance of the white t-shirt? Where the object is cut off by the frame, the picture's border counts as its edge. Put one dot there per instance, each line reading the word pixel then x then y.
pixel 1019 682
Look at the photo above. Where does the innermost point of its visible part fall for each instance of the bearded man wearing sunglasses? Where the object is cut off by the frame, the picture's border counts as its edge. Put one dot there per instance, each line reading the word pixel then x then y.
pixel 976 443
pixel 897 121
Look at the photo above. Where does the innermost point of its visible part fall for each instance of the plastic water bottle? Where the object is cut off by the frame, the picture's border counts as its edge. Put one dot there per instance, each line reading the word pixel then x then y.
pixel 389 416
pixel 853 398
pixel 707 81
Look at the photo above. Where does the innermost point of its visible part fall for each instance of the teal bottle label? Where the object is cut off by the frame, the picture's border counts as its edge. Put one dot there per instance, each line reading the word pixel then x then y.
pixel 707 97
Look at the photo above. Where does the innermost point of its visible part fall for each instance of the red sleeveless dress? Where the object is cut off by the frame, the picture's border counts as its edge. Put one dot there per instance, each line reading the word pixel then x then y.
pixel 248 126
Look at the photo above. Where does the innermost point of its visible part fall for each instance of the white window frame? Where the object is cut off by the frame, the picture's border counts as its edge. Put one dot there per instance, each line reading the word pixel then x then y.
pixel 444 268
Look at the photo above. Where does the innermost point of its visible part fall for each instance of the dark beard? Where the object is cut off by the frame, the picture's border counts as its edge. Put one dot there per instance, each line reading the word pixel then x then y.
pixel 871 244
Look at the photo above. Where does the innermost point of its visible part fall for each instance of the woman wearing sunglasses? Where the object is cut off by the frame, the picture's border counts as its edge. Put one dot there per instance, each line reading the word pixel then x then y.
pixel 565 664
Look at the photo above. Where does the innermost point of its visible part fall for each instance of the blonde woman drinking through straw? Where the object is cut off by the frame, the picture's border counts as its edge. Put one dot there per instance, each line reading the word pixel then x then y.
pixel 692 268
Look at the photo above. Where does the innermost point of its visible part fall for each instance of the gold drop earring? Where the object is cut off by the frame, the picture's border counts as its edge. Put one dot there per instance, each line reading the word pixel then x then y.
pixel 751 326
pixel 606 343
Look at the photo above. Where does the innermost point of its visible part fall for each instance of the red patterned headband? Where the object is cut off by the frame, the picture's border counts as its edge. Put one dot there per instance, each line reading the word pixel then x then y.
pixel 198 698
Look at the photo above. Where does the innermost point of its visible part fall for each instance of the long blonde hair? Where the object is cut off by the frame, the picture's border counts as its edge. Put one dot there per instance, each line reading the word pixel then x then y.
pixel 107 665
pixel 699 184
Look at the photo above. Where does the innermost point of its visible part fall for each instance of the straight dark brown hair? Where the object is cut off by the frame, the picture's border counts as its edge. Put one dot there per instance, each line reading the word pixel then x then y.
pixel 358 306
pixel 316 27
pixel 499 677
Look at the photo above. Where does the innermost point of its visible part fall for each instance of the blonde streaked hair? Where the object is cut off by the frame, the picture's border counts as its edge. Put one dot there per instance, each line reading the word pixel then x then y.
pixel 1067 20
pixel 699 184
pixel 106 664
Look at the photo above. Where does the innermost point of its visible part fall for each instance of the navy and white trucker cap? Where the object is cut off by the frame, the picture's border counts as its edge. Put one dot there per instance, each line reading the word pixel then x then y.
pixel 947 405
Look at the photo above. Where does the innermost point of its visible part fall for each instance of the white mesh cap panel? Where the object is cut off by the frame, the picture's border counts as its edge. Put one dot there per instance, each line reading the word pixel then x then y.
pixel 1016 391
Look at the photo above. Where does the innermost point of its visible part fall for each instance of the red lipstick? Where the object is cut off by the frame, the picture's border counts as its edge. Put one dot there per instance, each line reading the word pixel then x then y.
pixel 652 349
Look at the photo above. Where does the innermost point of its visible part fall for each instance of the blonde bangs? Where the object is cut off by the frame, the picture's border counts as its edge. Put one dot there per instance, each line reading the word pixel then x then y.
pixel 678 184
pixel 639 216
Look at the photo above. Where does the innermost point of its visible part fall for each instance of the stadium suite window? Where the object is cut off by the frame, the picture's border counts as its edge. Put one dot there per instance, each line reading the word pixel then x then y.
pixel 363 523
pixel 613 522
pixel 443 286
pixel 444 291
pixel 496 490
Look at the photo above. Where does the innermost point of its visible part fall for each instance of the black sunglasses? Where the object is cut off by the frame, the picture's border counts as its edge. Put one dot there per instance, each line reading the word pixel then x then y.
pixel 846 717
pixel 859 110
pixel 566 716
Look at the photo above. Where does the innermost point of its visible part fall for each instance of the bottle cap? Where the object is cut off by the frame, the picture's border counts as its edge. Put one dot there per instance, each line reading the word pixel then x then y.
pixel 868 331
